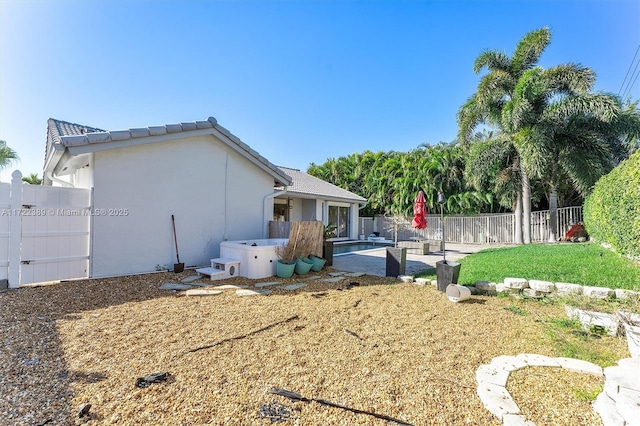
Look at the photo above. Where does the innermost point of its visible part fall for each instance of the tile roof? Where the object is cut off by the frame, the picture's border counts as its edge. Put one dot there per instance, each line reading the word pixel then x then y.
pixel 70 135
pixel 305 184
pixel 59 128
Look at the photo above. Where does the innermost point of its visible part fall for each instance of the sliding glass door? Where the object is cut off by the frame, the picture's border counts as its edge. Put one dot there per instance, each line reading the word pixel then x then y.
pixel 339 217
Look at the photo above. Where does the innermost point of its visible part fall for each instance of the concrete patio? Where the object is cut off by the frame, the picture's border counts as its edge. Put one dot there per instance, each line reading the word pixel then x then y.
pixel 373 262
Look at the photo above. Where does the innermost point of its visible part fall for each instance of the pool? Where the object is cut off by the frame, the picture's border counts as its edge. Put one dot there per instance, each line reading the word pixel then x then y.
pixel 346 248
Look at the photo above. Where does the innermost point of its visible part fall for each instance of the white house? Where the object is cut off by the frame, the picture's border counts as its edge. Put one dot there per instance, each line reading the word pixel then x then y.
pixel 310 198
pixel 215 185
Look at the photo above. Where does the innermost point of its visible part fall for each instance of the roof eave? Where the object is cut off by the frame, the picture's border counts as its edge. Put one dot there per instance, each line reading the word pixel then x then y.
pixel 328 198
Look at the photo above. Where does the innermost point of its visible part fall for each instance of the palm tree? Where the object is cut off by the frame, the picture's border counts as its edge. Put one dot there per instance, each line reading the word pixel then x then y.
pixel 7 155
pixel 565 132
pixel 487 105
pixel 32 179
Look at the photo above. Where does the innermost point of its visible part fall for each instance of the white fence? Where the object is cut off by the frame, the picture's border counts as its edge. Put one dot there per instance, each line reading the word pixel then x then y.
pixel 480 229
pixel 44 232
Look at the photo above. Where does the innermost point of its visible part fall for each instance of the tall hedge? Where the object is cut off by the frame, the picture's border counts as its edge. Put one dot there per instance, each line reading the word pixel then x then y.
pixel 612 210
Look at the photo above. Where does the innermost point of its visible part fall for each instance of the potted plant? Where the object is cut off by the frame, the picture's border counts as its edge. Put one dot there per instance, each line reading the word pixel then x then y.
pixel 396 259
pixel 303 265
pixel 318 262
pixel 286 265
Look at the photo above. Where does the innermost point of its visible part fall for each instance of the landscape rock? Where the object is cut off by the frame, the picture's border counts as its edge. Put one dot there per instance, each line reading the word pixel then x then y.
pixel 626 294
pixel 536 294
pixel 580 366
pixel 535 360
pixel 543 286
pixel 591 319
pixel 606 408
pixel 422 281
pixel 492 373
pixel 568 288
pixel 497 400
pixel 597 292
pixel 486 286
pixel 504 288
pixel 518 283
pixel 405 278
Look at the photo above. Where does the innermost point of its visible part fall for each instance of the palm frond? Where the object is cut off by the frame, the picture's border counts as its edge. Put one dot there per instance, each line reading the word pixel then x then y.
pixel 570 78
pixel 529 49
pixel 493 60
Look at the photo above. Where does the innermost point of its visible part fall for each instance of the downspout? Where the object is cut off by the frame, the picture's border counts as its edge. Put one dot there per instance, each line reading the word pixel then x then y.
pixel 61 182
pixel 265 228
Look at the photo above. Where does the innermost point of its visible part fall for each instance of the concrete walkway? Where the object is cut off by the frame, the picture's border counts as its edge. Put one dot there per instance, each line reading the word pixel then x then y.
pixel 373 262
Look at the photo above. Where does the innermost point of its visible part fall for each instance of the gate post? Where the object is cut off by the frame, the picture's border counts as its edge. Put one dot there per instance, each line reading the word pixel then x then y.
pixel 15 231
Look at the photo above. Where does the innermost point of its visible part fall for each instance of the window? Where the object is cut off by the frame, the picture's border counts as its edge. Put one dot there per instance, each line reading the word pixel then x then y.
pixel 339 217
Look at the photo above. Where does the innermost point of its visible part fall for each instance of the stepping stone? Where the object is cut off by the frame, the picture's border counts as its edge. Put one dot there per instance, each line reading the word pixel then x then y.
pixel 313 277
pixel 293 287
pixel 332 280
pixel 203 292
pixel 253 292
pixel 229 287
pixel 336 274
pixel 175 286
pixel 354 274
pixel 190 279
pixel 201 284
pixel 267 284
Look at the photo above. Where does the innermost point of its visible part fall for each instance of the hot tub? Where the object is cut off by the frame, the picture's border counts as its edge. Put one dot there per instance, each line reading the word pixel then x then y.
pixel 257 257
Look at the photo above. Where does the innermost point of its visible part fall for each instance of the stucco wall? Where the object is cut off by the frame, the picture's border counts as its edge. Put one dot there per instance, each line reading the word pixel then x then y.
pixel 309 210
pixel 189 178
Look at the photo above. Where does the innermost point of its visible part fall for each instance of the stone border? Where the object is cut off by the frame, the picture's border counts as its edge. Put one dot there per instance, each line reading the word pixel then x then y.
pixel 492 380
pixel 535 288
pixel 538 289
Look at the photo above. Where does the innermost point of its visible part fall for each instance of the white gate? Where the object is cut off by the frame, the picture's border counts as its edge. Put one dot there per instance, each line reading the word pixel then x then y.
pixel 44 232
pixel 5 205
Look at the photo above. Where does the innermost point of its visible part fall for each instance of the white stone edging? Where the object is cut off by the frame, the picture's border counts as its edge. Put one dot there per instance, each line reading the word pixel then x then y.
pixel 492 380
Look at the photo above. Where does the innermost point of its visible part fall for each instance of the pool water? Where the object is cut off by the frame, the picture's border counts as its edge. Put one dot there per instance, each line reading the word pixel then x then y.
pixel 359 246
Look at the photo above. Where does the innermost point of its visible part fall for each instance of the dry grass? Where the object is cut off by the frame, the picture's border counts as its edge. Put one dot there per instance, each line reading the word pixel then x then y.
pixel 395 349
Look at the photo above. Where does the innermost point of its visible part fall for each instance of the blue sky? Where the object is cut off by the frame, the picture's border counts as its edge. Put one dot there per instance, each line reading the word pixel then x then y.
pixel 299 81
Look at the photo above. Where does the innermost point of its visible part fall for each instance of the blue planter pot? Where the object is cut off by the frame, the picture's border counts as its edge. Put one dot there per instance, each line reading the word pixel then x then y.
pixel 303 265
pixel 318 263
pixel 285 268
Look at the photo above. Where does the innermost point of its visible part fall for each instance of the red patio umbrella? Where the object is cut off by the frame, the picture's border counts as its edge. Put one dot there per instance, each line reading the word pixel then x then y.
pixel 419 211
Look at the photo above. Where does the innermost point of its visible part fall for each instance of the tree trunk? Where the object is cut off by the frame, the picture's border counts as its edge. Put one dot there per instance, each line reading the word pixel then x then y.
pixel 553 215
pixel 526 208
pixel 518 217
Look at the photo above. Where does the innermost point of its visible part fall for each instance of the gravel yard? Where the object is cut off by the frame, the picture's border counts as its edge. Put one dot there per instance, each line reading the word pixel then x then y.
pixel 397 350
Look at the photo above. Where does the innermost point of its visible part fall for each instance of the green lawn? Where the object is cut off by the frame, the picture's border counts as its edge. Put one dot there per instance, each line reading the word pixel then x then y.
pixel 579 263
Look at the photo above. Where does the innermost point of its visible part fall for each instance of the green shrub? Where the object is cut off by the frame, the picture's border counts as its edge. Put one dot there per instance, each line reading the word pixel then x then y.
pixel 612 210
